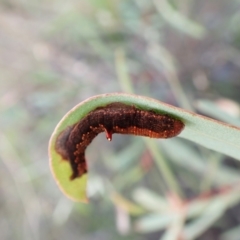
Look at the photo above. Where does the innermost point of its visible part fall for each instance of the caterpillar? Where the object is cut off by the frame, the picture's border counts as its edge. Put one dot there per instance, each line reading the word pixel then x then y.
pixel 113 118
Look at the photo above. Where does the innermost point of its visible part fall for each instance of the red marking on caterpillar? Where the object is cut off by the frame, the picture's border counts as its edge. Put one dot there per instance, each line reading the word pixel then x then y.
pixel 108 135
pixel 112 118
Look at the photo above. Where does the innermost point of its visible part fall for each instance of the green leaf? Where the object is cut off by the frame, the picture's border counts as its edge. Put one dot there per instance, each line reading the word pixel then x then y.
pixel 207 132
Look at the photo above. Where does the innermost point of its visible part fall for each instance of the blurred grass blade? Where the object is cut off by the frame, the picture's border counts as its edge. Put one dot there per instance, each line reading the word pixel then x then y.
pixel 133 175
pixel 122 71
pixel 162 165
pixel 126 158
pixel 174 230
pixel 163 58
pixel 226 199
pixel 178 20
pixel 212 109
pixel 153 222
pixel 187 157
pixel 231 234
pixel 126 204
pixel 149 200
pixel 214 210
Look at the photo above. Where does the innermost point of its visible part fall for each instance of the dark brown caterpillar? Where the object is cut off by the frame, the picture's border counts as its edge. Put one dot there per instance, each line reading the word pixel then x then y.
pixel 112 118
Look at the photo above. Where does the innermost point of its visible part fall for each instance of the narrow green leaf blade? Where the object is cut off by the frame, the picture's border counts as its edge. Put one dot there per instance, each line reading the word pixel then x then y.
pixel 207 132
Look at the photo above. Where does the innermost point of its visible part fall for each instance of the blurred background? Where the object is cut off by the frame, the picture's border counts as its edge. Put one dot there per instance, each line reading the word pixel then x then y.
pixel 54 54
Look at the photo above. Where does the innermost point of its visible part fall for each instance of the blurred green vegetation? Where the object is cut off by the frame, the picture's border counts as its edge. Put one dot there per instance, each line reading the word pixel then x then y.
pixel 54 54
